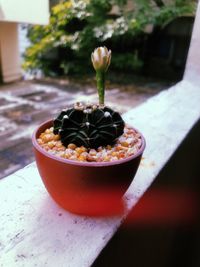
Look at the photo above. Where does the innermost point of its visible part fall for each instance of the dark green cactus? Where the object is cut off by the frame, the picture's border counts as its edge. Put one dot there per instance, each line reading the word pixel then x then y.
pixel 91 126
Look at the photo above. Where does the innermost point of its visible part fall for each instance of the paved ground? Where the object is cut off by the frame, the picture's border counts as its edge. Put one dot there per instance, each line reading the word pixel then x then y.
pixel 24 105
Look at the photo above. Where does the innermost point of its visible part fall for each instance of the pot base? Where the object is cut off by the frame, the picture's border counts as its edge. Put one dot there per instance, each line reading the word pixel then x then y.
pixel 92 204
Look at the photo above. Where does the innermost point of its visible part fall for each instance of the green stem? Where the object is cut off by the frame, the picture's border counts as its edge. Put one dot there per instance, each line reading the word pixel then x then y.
pixel 100 77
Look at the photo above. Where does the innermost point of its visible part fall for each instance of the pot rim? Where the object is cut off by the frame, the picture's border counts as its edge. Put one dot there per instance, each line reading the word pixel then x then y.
pixel 83 163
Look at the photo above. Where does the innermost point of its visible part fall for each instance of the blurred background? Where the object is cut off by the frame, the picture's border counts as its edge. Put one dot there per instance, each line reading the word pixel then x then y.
pixel 45 65
pixel 141 34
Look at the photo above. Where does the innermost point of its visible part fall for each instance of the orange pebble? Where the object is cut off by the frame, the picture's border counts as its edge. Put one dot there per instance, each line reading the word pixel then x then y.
pixel 56 137
pixel 114 154
pixel 59 144
pixel 118 148
pixel 62 155
pixel 48 131
pixel 48 137
pixel 82 158
pixel 106 158
pixel 80 150
pixel 121 155
pixel 90 158
pixel 84 149
pixel 126 144
pixel 66 155
pixel 71 146
pixel 51 144
pixel 93 152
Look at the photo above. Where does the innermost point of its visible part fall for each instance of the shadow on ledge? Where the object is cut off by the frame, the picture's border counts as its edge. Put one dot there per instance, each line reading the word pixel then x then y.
pixel 163 230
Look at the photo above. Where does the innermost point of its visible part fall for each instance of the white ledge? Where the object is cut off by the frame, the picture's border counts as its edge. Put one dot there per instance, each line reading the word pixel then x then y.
pixel 36 232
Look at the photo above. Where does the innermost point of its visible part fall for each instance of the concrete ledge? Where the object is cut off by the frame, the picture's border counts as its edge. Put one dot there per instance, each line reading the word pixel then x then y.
pixel 165 120
pixel 36 232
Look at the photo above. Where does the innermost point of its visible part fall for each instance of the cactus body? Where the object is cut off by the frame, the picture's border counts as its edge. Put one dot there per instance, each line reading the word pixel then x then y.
pixel 89 126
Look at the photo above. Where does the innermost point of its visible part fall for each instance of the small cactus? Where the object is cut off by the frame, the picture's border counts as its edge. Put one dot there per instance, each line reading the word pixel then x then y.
pixel 91 125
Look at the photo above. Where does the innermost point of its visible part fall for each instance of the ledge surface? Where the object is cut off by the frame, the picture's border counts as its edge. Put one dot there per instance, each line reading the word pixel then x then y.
pixel 34 231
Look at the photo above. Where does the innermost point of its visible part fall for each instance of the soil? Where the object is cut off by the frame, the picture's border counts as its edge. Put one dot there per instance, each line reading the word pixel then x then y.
pixel 128 144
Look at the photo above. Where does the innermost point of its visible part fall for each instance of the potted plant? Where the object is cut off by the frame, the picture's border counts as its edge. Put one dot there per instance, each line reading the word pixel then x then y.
pixel 87 157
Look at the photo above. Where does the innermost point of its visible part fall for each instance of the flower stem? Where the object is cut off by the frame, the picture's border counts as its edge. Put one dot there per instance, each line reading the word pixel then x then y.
pixel 100 77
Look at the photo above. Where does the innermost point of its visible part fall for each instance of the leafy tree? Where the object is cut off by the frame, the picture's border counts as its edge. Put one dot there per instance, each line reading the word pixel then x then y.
pixel 77 26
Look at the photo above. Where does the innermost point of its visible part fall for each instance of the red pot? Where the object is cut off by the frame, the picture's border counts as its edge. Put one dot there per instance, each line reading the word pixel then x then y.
pixel 88 188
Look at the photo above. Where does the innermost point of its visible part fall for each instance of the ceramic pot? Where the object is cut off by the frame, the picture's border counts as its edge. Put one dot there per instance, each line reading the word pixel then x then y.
pixel 88 188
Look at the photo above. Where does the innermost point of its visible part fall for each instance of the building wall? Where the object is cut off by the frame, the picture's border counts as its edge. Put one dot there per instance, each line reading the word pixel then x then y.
pixel 9 52
pixel 13 12
pixel 27 11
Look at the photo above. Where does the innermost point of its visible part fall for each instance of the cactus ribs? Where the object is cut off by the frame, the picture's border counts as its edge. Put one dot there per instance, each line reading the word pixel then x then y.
pixel 90 126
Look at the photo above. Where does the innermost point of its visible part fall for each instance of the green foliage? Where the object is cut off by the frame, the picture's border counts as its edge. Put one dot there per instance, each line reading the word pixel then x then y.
pixel 77 27
pixel 127 62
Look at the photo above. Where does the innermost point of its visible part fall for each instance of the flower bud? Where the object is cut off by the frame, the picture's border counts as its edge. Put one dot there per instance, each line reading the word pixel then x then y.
pixel 101 59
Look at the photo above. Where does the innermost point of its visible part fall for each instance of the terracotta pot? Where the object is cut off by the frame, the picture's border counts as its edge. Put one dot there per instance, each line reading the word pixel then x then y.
pixel 88 188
